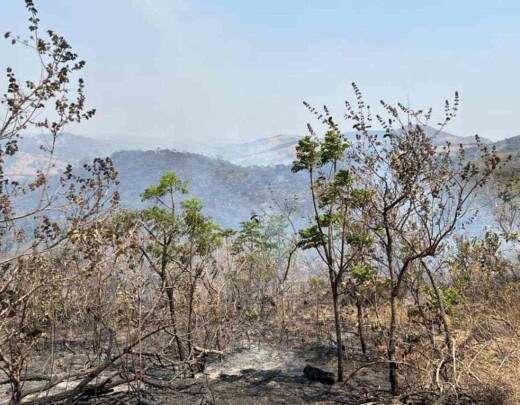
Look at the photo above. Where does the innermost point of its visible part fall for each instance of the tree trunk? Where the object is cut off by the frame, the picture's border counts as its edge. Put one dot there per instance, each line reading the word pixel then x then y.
pixel 361 325
pixel 16 395
pixel 337 322
pixel 318 330
pixel 442 312
pixel 392 366
pixel 190 317
pixel 427 322
pixel 171 305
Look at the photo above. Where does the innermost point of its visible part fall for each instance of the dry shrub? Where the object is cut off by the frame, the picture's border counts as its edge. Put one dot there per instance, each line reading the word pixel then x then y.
pixel 490 363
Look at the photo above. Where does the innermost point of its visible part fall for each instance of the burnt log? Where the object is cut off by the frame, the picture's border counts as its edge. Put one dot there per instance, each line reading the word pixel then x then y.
pixel 317 374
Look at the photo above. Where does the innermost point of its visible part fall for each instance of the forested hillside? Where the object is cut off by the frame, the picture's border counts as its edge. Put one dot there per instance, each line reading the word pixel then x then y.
pixel 230 194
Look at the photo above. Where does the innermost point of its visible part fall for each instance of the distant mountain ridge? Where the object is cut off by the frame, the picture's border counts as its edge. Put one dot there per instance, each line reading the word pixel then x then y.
pixel 230 192
pixel 69 149
pixel 281 149
pixel 270 151
pixel 508 145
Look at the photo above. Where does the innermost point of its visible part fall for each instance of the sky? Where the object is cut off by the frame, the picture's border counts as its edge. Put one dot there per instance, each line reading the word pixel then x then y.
pixel 179 73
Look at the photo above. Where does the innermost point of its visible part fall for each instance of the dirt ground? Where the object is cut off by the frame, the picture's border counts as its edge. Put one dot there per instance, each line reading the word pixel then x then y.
pixel 259 373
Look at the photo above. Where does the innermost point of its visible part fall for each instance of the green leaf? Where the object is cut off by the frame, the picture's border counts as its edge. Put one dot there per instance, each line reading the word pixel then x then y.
pixel 333 147
pixel 307 154
pixel 168 184
pixel 311 237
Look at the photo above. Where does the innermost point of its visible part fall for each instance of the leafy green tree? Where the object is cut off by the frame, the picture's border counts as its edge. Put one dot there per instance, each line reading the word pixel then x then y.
pixel 406 193
pixel 264 251
pixel 254 252
pixel 182 243
pixel 334 232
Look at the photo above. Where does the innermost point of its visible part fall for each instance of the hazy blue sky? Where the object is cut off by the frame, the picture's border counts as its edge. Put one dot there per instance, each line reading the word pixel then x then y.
pixel 171 72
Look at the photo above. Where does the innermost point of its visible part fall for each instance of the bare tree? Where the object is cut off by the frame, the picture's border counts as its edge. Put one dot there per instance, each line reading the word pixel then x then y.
pixel 421 194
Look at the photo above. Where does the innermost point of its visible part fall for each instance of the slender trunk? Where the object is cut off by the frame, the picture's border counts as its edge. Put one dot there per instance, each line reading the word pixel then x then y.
pixel 190 317
pixel 427 322
pixel 217 339
pixel 283 327
pixel 318 331
pixel 168 289
pixel 171 305
pixel 16 395
pixel 442 311
pixel 361 325
pixel 337 322
pixel 392 365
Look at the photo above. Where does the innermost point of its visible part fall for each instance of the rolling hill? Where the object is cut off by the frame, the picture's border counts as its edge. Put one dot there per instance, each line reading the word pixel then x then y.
pixel 69 149
pixel 281 149
pixel 230 193
pixel 253 176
